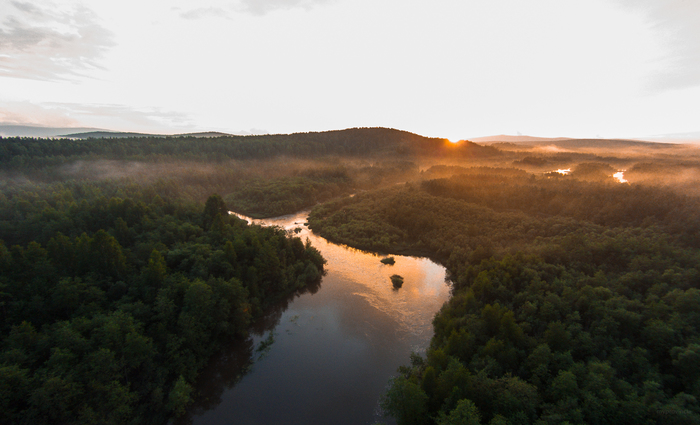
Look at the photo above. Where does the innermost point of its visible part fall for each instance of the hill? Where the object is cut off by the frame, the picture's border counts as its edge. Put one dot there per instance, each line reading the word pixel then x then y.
pixel 691 137
pixel 510 142
pixel 602 143
pixel 12 130
pixel 15 130
pixel 514 139
pixel 599 145
pixel 206 134
pixel 120 135
pixel 103 134
pixel 357 142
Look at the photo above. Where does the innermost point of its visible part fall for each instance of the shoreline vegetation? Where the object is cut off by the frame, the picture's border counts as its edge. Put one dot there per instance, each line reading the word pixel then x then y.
pixel 575 297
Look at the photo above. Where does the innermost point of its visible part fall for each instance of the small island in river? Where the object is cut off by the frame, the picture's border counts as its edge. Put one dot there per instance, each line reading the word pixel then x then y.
pixel 396 280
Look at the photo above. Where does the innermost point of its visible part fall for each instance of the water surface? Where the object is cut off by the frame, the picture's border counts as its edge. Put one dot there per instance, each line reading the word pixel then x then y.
pixel 325 356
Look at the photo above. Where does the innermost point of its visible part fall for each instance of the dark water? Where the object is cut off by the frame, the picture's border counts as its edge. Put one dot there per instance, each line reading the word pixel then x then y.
pixel 325 356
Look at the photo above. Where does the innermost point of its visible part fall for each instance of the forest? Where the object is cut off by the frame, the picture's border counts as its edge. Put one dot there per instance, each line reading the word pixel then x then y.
pixel 19 152
pixel 122 271
pixel 575 295
pixel 112 302
pixel 574 301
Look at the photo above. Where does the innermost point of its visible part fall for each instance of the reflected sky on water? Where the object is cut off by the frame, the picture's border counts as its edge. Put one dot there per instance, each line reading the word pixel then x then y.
pixel 325 356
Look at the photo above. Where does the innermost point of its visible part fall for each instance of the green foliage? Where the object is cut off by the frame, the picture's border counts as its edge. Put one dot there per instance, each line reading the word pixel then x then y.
pixel 466 413
pixel 111 308
pixel 214 207
pixel 406 402
pixel 179 397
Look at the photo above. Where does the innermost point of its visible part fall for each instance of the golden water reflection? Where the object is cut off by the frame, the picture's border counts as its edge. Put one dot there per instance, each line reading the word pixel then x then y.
pixel 620 176
pixel 412 306
pixel 325 355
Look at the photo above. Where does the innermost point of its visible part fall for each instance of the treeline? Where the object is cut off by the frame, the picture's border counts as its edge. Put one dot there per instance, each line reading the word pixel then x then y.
pixel 110 306
pixel 18 152
pixel 566 307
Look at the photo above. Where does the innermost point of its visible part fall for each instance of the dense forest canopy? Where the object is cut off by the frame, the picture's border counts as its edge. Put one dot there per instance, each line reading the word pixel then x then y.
pixel 111 306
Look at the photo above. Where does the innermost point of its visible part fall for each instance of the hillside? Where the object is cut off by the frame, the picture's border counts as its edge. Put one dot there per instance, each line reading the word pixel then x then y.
pixel 502 138
pixel 356 142
pixel 106 135
pixel 121 135
pixel 13 130
pixel 601 144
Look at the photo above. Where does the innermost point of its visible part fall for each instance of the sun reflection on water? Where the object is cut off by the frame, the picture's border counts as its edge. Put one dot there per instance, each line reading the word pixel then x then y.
pixel 412 306
pixel 620 176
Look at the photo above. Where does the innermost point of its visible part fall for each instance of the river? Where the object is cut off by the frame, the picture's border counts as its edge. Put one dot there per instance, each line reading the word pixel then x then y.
pixel 325 356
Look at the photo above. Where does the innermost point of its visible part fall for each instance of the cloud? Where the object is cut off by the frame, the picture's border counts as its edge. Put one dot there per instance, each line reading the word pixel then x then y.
pixel 261 7
pixel 205 12
pixel 253 7
pixel 127 118
pixel 676 23
pixel 27 113
pixel 108 116
pixel 50 42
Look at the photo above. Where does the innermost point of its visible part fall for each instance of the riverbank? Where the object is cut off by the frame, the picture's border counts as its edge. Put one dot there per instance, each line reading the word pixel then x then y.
pixel 327 355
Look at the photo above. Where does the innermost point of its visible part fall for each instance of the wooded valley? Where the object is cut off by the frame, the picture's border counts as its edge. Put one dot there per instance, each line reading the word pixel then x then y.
pixel 575 295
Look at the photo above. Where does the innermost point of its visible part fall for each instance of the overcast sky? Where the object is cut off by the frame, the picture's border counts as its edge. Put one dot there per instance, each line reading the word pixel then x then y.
pixel 444 68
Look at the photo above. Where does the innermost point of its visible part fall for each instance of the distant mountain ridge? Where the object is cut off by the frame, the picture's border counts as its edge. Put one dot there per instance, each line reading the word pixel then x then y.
pixel 389 143
pixel 602 143
pixel 106 135
pixel 17 130
pixel 691 137
pixel 120 135
pixel 503 141
pixel 581 144
pixel 515 139
pixel 667 139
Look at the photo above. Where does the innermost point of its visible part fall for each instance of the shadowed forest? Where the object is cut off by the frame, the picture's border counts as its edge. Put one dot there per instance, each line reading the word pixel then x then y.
pixel 574 265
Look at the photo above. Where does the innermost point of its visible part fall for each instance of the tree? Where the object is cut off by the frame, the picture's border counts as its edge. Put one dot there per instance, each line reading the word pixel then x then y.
pixel 179 397
pixel 466 413
pixel 406 402
pixel 215 205
pixel 107 256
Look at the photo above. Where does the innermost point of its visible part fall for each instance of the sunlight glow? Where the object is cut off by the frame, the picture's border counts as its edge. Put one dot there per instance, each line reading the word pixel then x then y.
pixel 620 176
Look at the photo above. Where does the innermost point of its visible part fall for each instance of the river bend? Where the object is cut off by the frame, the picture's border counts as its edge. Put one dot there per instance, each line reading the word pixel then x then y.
pixel 325 356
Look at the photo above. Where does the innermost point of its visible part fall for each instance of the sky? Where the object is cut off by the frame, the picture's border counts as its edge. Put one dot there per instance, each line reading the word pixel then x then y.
pixel 444 68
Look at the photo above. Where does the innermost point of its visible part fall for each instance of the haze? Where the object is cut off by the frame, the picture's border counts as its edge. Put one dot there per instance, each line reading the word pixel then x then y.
pixel 445 68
